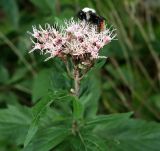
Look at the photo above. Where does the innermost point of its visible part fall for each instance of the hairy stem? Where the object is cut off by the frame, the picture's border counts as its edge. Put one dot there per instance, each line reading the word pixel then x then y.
pixel 68 70
pixel 76 81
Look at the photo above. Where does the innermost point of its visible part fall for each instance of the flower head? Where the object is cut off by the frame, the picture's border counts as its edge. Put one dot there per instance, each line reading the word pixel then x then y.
pixel 77 39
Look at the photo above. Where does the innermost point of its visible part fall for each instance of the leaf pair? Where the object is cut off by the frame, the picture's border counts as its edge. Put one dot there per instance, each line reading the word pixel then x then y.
pixel 39 111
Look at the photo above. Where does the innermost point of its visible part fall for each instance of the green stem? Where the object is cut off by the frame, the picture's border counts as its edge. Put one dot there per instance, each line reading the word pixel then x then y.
pixel 76 81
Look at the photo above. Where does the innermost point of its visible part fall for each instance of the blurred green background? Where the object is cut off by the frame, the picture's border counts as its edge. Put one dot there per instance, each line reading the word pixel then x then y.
pixel 128 81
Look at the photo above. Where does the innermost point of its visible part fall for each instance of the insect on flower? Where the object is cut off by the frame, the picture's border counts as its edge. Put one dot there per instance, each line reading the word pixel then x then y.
pixel 77 43
pixel 79 40
pixel 90 15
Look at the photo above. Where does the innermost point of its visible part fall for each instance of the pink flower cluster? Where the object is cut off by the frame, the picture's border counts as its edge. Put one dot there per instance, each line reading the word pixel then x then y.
pixel 75 38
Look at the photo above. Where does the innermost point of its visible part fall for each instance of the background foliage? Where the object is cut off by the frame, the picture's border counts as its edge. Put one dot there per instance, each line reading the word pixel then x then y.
pixel 128 81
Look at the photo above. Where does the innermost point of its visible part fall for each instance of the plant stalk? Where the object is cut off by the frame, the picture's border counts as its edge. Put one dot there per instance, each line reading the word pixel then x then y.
pixel 76 81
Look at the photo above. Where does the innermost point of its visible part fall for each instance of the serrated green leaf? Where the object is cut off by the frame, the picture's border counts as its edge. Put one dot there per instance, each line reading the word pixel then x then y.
pixel 77 109
pixel 39 111
pixel 31 132
pixel 76 143
pixel 47 139
pixel 90 88
pixel 103 119
pixel 95 143
pixel 131 135
pixel 14 123
pixel 41 106
pixel 87 141
pixel 49 79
